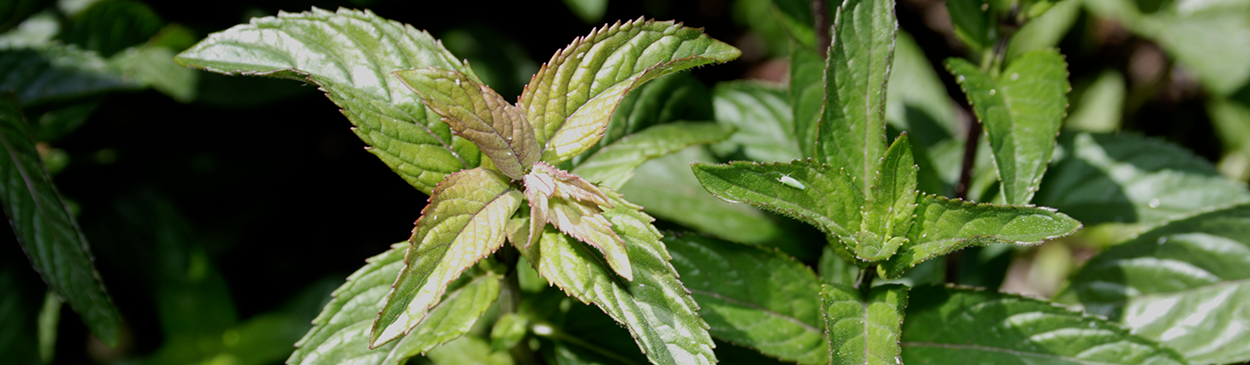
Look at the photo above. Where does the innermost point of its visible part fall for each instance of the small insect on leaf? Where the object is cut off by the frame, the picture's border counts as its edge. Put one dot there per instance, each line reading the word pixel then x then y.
pixel 791 182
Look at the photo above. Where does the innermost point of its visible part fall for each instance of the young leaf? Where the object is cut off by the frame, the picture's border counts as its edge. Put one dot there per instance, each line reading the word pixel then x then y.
pixel 1022 112
pixel 888 210
pixel 478 114
pixel 463 223
pixel 655 306
pixel 943 226
pixel 584 222
pixel 807 97
pixel 762 116
pixel 752 297
pixel 961 326
pixel 614 165
pixel 573 205
pixel 571 98
pixel 851 131
pixel 351 55
pixel 340 333
pixel 45 228
pixel 818 194
pixel 864 330
pixel 57 74
pixel 1184 283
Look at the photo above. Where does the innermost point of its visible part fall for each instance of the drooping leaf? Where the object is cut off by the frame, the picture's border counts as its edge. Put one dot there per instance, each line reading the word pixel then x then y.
pixel 478 114
pixel 655 306
pixel 864 329
pixel 614 165
pixel 351 55
pixel 1132 179
pixel 463 223
pixel 974 24
pixel 851 131
pixel 110 26
pixel 1184 283
pixel 818 194
pixel 46 229
pixel 751 297
pixel 1045 31
pixel 1022 112
pixel 762 115
pixel 960 326
pixel 807 96
pixel 943 226
pixel 57 73
pixel 888 210
pixel 571 98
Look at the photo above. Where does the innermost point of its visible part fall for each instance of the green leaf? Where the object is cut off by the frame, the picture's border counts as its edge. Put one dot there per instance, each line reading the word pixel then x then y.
pixel 153 66
pixel 1045 31
pixel 834 270
pixel 614 165
pixel 19 309
pixel 851 131
pixel 1101 105
pixel 762 115
pixel 975 25
pixel 864 329
pixel 468 350
pixel 917 101
pixel 339 333
pixel 46 230
pixel 57 74
pixel 590 11
pixel 796 18
pixel 818 194
pixel 676 97
pixel 508 331
pixel 960 326
pixel 351 55
pixel 888 210
pixel 655 306
pixel 943 226
pixel 1021 112
pixel 479 114
pixel 110 26
pixel 463 223
pixel 807 96
pixel 1184 283
pixel 571 98
pixel 49 317
pixel 752 297
pixel 1133 179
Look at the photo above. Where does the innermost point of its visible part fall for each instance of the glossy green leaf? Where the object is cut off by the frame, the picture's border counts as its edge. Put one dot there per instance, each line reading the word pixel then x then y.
pixel 57 74
pixel 676 97
pixel 807 97
pixel 1184 283
pixel 851 131
pixel 762 115
pixel 1132 179
pixel 888 209
pixel 974 24
pixel 960 326
pixel 1045 31
pixel 571 98
pixel 1022 112
pixel 655 306
pixel 110 26
pixel 943 226
pixel 818 194
pixel 351 55
pixel 478 114
pixel 339 333
pixel 614 165
pixel 463 223
pixel 751 297
pixel 864 329
pixel 46 229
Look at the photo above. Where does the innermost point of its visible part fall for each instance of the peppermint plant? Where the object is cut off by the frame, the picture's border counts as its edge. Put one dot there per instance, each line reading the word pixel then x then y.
pixel 494 171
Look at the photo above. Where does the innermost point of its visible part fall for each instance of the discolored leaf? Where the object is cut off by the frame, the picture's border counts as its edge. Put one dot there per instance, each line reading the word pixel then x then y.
pixel 888 209
pixel 761 113
pixel 948 325
pixel 571 98
pixel 763 300
pixel 614 165
pixel 1184 283
pixel 818 194
pixel 943 226
pixel 463 223
pixel 864 329
pixel 479 114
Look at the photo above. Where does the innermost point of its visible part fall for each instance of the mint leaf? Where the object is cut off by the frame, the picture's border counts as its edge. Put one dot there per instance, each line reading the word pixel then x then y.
pixel 108 27
pixel 888 209
pixel 807 96
pixel 762 115
pixel 46 230
pixel 614 165
pixel 57 74
pixel 671 98
pixel 1184 283
pixel 570 101
pixel 864 329
pixel 755 298
pixel 818 194
pixel 463 223
pixel 974 23
pixel 351 55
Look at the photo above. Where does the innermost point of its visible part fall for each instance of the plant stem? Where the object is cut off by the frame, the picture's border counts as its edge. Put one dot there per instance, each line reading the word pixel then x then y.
pixel 510 300
pixel 864 282
pixel 820 15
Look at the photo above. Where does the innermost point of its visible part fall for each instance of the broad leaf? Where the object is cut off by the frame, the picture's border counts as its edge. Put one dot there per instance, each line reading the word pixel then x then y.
pixel 110 26
pixel 888 209
pixel 463 223
pixel 807 97
pixel 1045 31
pixel 480 115
pixel 46 229
pixel 1132 179
pixel 762 115
pixel 961 326
pixel 679 96
pixel 351 55
pixel 752 297
pixel 655 306
pixel 571 98
pixel 57 74
pixel 943 226
pixel 154 66
pixel 614 165
pixel 1022 112
pixel 974 24
pixel 818 194
pixel 851 131
pixel 864 329
pixel 1185 284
